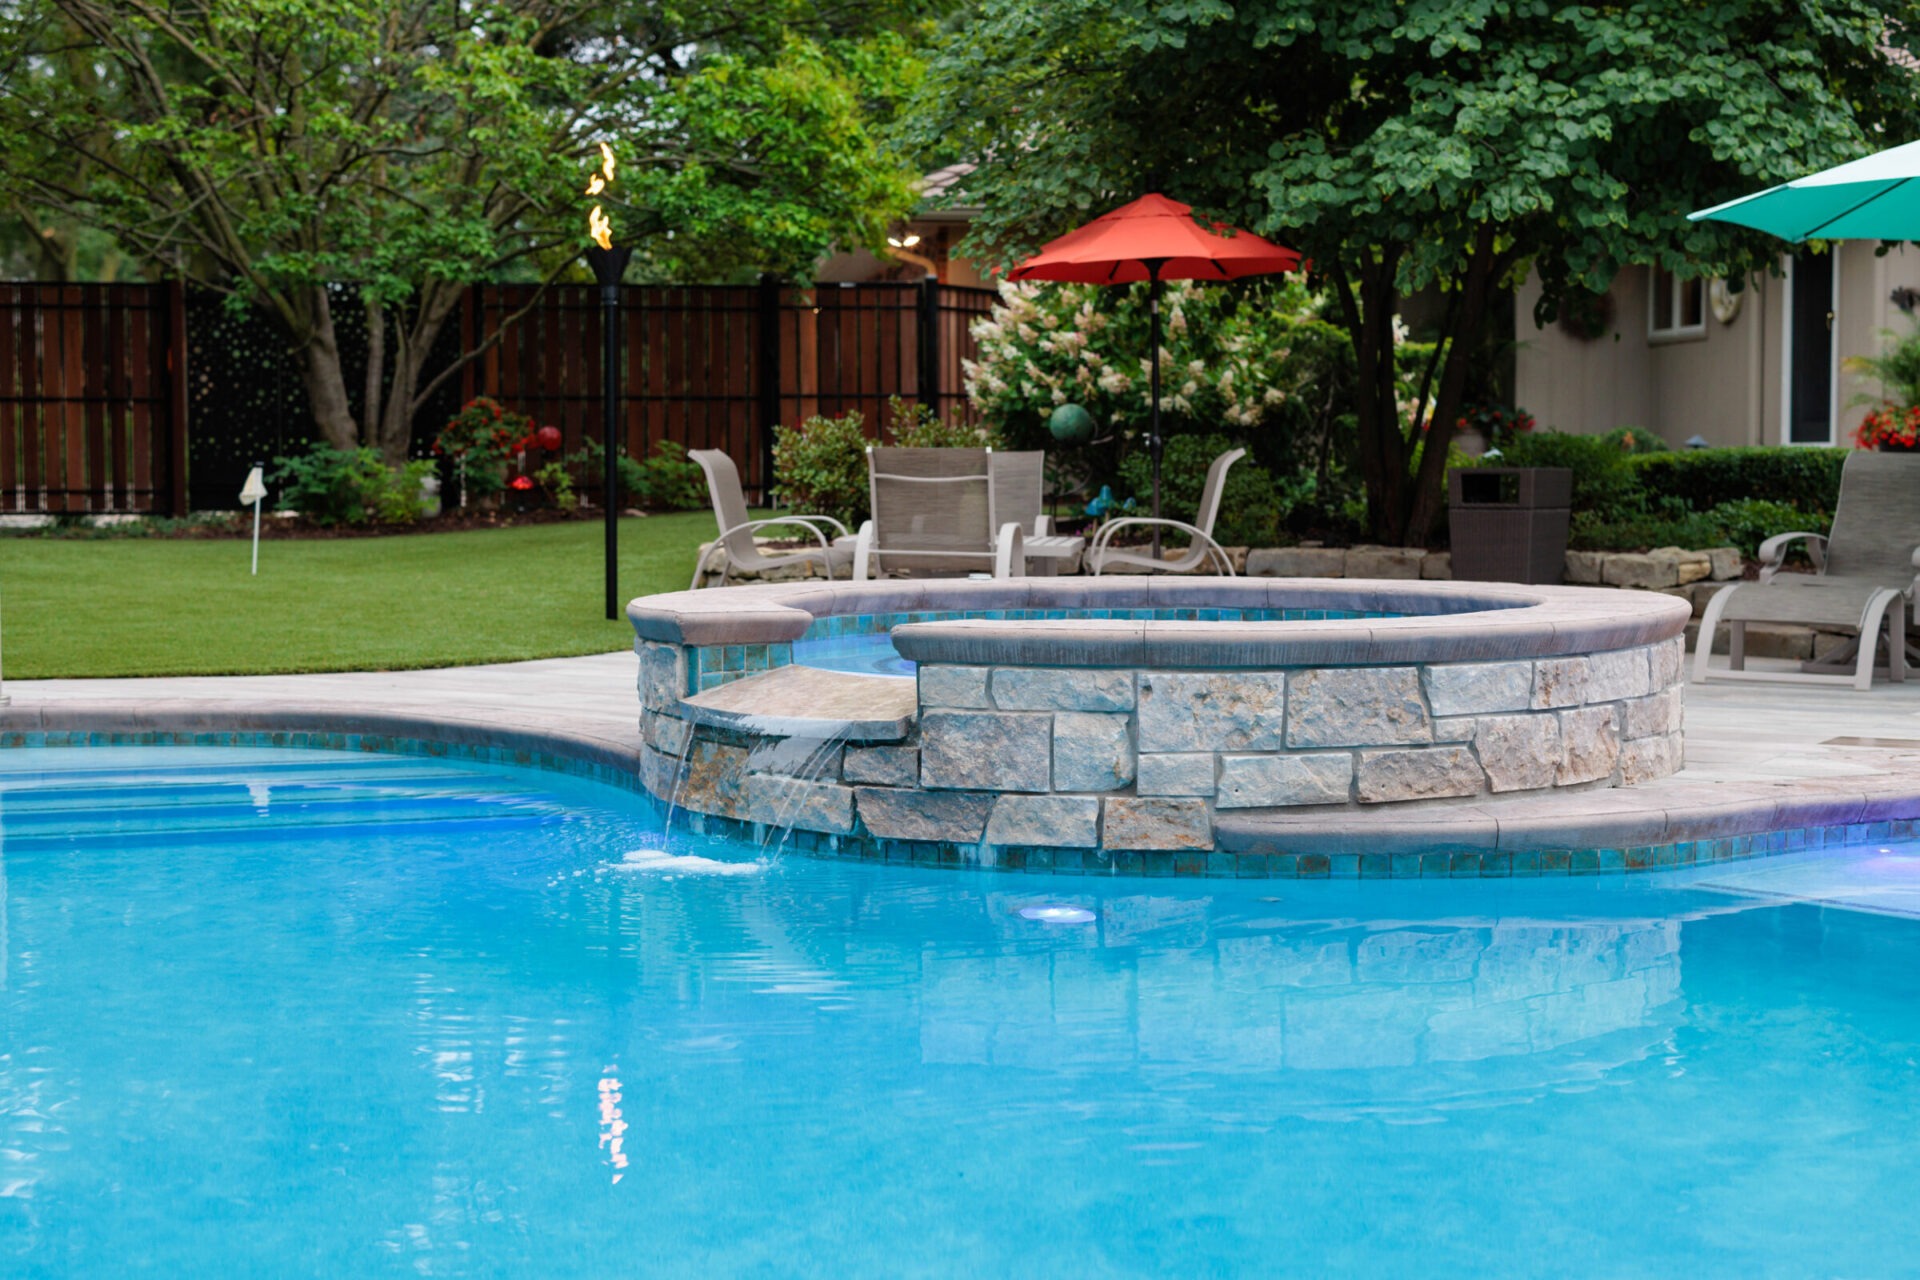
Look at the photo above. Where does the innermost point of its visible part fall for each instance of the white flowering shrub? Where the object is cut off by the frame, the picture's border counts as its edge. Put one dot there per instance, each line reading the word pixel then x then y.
pixel 1226 361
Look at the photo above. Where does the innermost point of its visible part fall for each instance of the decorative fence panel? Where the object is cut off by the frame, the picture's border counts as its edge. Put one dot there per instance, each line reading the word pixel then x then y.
pixel 152 399
pixel 90 387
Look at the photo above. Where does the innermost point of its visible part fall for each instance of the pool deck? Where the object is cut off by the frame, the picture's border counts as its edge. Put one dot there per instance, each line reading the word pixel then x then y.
pixel 1758 756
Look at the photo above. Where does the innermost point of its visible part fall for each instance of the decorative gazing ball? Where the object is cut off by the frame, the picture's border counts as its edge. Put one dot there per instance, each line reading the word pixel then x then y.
pixel 1071 424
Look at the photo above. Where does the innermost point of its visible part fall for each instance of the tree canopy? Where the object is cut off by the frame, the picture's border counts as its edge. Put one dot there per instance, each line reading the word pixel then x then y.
pixel 268 148
pixel 1403 145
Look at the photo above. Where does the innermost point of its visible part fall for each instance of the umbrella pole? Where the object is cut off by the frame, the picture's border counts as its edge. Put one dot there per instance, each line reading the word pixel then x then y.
pixel 1153 380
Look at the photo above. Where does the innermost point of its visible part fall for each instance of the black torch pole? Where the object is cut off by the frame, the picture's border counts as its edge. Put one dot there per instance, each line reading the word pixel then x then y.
pixel 608 266
pixel 1155 445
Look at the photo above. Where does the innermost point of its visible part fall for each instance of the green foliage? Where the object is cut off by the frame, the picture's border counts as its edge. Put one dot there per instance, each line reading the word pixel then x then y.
pixel 1744 524
pixel 349 486
pixel 665 480
pixel 912 425
pixel 1808 479
pixel 1444 144
pixel 1635 440
pixel 1251 507
pixel 481 440
pixel 820 468
pixel 270 147
pixel 1896 369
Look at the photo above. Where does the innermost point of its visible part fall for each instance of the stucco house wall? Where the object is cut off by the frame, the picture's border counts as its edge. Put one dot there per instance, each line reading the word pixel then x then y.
pixel 1727 384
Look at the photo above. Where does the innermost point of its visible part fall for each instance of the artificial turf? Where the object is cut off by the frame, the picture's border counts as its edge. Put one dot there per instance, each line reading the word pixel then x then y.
pixel 161 607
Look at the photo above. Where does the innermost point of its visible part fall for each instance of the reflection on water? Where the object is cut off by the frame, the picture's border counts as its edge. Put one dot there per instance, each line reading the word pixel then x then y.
pixel 1308 996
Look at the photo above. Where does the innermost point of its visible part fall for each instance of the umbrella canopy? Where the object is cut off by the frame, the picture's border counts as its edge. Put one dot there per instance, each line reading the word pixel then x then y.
pixel 1122 247
pixel 1154 239
pixel 1877 198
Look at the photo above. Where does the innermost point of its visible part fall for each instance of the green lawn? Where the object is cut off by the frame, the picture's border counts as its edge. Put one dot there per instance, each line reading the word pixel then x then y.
pixel 154 607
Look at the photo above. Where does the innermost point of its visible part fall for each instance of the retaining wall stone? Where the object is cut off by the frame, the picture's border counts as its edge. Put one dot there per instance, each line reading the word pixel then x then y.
pixel 1187 774
pixel 882 766
pixel 1045 821
pixel 1229 711
pixel 958 817
pixel 1134 822
pixel 1258 782
pixel 1092 751
pixel 1356 707
pixel 1427 773
pixel 1062 689
pixel 1000 751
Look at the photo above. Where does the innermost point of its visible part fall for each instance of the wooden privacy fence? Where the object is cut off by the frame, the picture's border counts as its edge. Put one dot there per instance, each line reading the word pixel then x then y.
pixel 145 399
pixel 717 366
pixel 92 412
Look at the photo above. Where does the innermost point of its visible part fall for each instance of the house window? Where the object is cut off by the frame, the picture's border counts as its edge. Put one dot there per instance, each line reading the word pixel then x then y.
pixel 1676 308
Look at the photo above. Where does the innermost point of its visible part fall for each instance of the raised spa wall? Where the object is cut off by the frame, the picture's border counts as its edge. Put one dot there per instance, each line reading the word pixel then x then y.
pixel 1165 707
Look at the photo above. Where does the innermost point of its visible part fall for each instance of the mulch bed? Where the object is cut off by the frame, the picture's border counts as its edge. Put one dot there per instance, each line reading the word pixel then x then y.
pixel 276 527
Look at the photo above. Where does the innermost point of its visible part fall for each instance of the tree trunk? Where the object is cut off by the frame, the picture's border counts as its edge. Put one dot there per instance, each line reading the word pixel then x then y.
pixel 319 360
pixel 415 343
pixel 1462 339
pixel 1367 296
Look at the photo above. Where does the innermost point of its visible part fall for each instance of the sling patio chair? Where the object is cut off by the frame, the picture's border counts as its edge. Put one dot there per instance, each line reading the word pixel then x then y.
pixel 948 511
pixel 1102 555
pixel 1864 578
pixel 736 527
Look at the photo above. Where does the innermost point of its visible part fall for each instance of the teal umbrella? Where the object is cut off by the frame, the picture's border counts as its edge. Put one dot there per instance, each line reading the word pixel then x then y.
pixel 1877 198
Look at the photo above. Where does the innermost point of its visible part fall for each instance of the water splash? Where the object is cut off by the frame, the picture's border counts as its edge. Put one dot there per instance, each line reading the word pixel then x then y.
pixel 659 861
pixel 680 773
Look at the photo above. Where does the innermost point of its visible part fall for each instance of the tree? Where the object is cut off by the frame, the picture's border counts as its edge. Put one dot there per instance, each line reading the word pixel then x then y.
pixel 268 148
pixel 1425 144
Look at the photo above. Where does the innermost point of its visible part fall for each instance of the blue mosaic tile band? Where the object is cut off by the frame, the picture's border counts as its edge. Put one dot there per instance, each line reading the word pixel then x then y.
pixel 710 666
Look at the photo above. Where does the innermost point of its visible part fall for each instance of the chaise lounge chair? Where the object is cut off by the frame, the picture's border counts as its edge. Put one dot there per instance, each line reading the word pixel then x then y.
pixel 736 529
pixel 1865 578
pixel 1102 556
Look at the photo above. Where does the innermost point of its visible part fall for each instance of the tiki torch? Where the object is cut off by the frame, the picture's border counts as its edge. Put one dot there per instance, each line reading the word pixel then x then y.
pixel 609 265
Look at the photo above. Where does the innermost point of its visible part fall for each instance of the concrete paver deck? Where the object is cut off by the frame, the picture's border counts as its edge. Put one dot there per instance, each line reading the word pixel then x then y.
pixel 1799 754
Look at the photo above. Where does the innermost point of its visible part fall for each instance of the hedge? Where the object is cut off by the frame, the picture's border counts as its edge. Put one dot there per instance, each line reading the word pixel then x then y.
pixel 1807 478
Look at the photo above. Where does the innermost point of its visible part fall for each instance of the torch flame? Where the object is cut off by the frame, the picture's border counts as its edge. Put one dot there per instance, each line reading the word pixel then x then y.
pixel 599 228
pixel 606 161
pixel 596 184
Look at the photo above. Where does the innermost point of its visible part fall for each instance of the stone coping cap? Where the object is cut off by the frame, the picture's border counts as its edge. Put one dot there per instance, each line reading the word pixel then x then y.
pixel 1667 811
pixel 808 703
pixel 1512 621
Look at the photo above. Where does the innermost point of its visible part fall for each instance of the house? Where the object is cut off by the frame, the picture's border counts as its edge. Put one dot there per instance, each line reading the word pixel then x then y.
pixel 1690 358
pixel 926 243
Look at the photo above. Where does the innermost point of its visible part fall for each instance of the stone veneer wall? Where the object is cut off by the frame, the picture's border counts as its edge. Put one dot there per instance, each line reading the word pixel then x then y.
pixel 1014 763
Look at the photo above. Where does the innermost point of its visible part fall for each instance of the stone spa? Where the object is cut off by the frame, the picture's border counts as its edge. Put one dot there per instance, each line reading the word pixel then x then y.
pixel 1080 725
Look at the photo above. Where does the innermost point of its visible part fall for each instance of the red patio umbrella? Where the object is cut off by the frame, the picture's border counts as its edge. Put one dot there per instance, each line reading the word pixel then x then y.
pixel 1154 239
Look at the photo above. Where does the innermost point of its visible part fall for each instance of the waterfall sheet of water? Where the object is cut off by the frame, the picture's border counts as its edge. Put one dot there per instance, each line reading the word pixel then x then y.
pixel 680 772
pixel 814 755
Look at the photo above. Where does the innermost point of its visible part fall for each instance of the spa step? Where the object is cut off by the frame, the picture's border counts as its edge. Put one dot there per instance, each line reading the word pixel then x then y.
pixel 805 702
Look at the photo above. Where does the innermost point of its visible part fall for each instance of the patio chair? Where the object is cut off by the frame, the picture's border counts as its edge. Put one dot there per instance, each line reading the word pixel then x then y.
pixel 736 528
pixel 1864 578
pixel 1020 494
pixel 937 511
pixel 1102 555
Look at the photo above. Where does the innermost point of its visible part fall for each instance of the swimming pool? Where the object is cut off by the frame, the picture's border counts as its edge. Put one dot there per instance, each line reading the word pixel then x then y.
pixel 277 1011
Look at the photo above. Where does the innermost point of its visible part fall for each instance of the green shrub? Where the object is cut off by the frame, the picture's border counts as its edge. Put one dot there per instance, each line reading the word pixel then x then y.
pixel 1745 524
pixel 820 467
pixel 1704 478
pixel 1251 508
pixel 481 440
pixel 333 486
pixel 911 425
pixel 666 480
pixel 1633 440
pixel 1604 489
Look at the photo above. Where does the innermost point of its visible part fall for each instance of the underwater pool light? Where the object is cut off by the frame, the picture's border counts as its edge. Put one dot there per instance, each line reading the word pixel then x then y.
pixel 1054 913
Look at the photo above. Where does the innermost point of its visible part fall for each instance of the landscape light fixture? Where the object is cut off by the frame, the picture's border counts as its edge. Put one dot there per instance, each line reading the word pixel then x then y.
pixel 609 265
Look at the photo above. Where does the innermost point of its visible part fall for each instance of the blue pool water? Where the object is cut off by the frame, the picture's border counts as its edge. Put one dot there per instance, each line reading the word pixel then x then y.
pixel 867 655
pixel 274 1012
